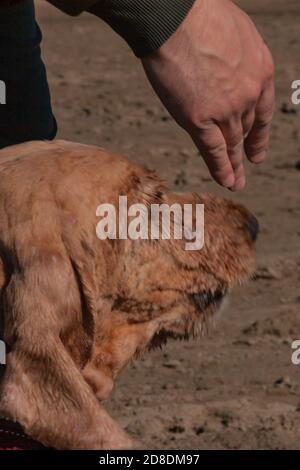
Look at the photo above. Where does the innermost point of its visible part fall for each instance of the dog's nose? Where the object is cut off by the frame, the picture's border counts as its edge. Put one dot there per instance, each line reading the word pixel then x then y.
pixel 253 227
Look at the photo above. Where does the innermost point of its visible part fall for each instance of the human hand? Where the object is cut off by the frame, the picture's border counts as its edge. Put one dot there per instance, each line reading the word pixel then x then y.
pixel 215 77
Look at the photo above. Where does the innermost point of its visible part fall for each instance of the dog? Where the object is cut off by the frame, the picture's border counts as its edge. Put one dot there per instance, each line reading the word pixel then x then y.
pixel 75 310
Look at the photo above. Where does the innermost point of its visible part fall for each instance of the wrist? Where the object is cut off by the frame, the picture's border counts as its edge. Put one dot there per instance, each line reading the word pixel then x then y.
pixel 144 24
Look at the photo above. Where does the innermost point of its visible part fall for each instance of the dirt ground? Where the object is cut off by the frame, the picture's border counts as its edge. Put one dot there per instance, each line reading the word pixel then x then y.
pixel 235 388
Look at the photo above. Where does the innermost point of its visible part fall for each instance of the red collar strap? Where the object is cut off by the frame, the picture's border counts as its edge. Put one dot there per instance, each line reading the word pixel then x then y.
pixel 13 437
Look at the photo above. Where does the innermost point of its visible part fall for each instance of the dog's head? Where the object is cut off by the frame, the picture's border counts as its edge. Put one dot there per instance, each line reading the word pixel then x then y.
pixel 76 307
pixel 172 287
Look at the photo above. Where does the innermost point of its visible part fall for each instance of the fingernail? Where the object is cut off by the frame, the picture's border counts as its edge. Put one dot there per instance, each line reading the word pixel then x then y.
pixel 260 157
pixel 239 184
pixel 229 181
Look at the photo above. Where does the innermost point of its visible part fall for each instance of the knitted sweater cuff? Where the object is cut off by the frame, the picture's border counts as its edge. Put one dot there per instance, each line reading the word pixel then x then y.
pixel 145 24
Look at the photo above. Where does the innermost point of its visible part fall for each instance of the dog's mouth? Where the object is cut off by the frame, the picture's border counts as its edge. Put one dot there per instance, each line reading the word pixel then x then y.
pixel 207 300
pixel 205 305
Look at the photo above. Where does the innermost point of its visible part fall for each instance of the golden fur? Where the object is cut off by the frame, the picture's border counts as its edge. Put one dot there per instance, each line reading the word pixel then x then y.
pixel 75 310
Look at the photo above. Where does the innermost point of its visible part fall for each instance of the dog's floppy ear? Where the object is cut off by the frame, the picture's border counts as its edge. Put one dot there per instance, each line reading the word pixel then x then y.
pixel 82 258
pixel 43 388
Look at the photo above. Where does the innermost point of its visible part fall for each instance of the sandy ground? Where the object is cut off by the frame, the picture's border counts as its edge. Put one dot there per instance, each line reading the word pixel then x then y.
pixel 235 388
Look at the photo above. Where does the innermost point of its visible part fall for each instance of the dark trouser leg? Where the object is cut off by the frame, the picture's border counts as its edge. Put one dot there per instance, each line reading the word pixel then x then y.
pixel 27 114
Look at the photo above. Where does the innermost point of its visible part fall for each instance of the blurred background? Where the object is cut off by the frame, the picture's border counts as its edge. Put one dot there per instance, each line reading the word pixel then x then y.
pixel 235 388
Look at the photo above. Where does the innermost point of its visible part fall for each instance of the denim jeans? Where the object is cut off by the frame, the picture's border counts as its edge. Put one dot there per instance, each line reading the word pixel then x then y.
pixel 26 112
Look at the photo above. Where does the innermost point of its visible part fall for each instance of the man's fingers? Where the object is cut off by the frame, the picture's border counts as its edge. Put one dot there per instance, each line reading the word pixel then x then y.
pixel 234 137
pixel 257 142
pixel 248 120
pixel 213 148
